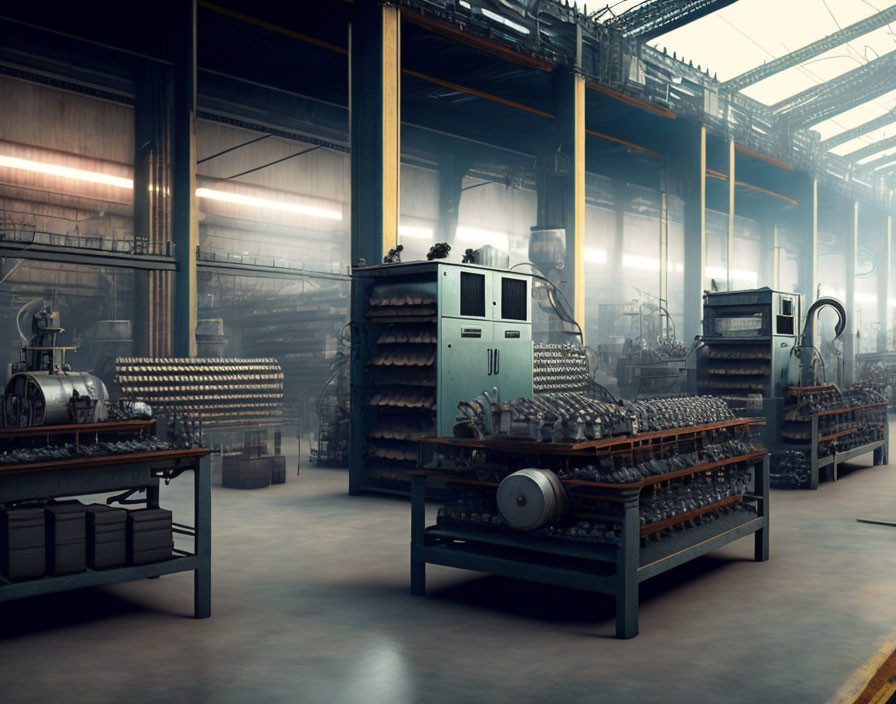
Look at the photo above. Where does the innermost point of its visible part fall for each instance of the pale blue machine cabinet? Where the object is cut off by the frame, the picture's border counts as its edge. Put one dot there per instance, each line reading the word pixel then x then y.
pixel 425 336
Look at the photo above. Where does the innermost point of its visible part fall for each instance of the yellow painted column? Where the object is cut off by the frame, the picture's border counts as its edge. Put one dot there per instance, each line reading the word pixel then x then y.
pixel 579 200
pixel 391 124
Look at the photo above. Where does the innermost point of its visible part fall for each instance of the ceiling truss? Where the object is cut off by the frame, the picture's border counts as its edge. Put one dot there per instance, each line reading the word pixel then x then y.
pixel 655 17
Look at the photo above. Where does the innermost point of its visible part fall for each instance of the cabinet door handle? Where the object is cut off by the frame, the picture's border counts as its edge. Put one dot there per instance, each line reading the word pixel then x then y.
pixel 497 358
pixel 490 361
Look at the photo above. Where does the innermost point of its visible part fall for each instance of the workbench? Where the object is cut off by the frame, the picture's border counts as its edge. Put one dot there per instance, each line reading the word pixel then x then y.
pixel 880 449
pixel 79 476
pixel 616 570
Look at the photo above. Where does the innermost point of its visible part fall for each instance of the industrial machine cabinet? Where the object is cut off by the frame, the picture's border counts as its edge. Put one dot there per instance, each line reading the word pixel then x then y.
pixel 641 549
pixel 747 355
pixel 425 336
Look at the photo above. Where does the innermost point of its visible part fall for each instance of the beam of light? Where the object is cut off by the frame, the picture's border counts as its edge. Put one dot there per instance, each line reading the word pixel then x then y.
pixel 41 167
pixel 268 204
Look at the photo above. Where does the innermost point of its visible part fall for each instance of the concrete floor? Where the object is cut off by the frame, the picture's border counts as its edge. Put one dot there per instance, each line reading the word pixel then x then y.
pixel 311 604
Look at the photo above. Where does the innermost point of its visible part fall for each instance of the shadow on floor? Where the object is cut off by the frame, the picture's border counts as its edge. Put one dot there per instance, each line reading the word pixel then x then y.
pixel 544 602
pixel 63 609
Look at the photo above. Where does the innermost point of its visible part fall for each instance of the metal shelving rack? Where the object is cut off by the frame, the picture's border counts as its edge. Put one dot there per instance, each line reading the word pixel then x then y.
pixel 616 570
pixel 38 481
pixel 818 439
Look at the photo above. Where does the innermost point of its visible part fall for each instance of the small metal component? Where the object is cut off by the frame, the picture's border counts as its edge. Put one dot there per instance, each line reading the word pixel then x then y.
pixel 438 251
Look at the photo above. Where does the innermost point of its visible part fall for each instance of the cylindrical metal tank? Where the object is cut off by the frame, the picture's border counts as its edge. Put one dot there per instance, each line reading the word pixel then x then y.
pixel 531 498
pixel 210 340
pixel 42 398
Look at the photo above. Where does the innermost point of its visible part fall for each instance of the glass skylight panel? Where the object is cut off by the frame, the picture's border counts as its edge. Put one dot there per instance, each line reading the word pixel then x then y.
pixel 824 67
pixel 856 116
pixel 747 33
pixel 866 139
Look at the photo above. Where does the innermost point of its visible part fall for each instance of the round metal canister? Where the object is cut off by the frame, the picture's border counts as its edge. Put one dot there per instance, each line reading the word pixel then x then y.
pixel 210 339
pixel 41 398
pixel 531 498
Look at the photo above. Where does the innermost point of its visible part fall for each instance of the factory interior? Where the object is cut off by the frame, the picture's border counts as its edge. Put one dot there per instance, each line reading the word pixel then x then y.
pixel 447 351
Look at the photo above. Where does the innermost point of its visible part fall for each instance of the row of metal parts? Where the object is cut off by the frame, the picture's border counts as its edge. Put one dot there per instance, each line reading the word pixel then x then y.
pixel 48 453
pixel 411 356
pixel 535 499
pixel 219 391
pixel 398 295
pixel 559 367
pixel 621 470
pixel 574 417
pixel 400 428
pixel 180 364
pixel 392 451
pixel 397 334
pixel 404 398
pixel 668 413
pixel 738 351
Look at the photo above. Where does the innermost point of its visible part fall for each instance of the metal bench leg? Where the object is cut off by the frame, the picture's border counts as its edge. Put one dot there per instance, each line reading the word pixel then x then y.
pixel 418 531
pixel 761 469
pixel 627 561
pixel 202 511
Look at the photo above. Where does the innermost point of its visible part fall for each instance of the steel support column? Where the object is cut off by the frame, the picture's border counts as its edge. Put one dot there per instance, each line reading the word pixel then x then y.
pixel 731 179
pixel 693 191
pixel 571 122
pixel 884 260
pixel 849 336
pixel 185 220
pixel 375 119
pixel 664 256
pixel 152 205
pixel 808 229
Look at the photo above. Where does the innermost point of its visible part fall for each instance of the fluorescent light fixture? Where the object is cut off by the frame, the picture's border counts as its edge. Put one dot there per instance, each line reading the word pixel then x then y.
pixel 480 236
pixel 268 204
pixel 415 232
pixel 506 22
pixel 595 256
pixel 41 167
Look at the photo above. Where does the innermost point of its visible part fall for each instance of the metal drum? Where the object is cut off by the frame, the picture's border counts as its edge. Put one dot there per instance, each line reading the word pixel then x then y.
pixel 42 398
pixel 531 498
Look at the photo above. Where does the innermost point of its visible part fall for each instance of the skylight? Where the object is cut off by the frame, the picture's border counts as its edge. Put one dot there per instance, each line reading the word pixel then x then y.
pixel 747 33
pixel 823 67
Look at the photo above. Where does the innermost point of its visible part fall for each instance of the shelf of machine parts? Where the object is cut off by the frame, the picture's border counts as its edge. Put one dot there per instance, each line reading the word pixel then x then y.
pixel 533 548
pixel 105 460
pixel 121 426
pixel 630 486
pixel 526 445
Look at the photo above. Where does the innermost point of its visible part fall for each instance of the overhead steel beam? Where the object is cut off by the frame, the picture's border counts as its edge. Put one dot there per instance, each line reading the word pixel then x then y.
pixel 651 19
pixel 69 255
pixel 265 272
pixel 839 94
pixel 864 128
pixel 873 148
pixel 794 58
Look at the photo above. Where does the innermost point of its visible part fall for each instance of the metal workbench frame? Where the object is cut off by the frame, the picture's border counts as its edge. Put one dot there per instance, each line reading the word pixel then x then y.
pixel 110 474
pixel 606 569
pixel 880 448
